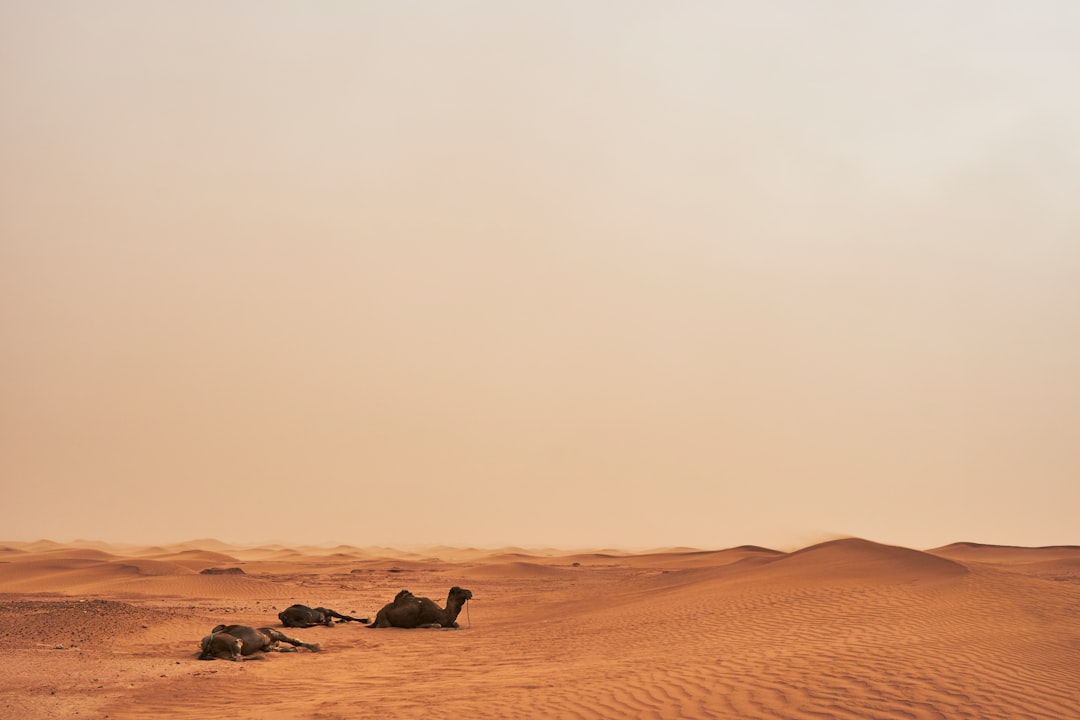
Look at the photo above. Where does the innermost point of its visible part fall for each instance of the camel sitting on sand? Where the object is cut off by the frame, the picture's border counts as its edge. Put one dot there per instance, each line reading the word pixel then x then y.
pixel 238 642
pixel 301 616
pixel 409 611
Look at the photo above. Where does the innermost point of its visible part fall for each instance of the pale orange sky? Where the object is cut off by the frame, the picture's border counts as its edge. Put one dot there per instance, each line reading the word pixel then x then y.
pixel 572 274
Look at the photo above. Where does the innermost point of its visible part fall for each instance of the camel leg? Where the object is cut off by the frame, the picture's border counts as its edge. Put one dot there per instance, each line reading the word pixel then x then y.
pixel 346 618
pixel 277 637
pixel 233 650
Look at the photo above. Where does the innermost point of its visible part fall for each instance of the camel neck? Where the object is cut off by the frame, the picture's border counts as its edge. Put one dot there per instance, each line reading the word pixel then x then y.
pixel 453 607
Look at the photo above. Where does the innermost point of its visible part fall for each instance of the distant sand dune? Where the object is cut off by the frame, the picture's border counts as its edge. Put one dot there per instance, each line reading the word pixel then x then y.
pixel 861 559
pixel 845 630
pixel 194 559
pixel 519 569
pixel 1006 555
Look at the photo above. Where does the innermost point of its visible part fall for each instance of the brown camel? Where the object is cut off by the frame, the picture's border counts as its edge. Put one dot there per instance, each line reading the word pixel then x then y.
pixel 301 616
pixel 238 642
pixel 409 611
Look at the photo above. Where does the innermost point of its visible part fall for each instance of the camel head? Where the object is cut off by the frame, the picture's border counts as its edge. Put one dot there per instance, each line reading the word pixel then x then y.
pixel 459 594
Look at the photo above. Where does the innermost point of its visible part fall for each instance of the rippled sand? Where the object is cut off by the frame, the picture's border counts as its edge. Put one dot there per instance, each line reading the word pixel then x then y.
pixel 844 629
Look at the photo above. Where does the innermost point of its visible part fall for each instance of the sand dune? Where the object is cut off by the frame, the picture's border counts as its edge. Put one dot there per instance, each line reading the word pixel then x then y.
pixel 519 569
pixel 844 629
pixel 861 560
pixel 1006 554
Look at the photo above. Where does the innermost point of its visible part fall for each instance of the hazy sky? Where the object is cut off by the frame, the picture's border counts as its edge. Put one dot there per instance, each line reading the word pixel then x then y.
pixel 573 274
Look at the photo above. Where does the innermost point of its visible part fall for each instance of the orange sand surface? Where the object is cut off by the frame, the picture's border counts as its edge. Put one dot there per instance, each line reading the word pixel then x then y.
pixel 844 629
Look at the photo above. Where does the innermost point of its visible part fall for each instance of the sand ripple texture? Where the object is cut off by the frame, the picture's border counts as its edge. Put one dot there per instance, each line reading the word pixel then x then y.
pixel 847 629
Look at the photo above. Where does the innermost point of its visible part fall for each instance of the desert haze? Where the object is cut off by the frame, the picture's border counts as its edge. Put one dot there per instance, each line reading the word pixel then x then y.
pixel 637 279
pixel 847 628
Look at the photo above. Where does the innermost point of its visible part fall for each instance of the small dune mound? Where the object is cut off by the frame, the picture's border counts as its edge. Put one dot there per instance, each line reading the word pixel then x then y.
pixel 222 571
pixel 857 558
pixel 757 549
pixel 86 555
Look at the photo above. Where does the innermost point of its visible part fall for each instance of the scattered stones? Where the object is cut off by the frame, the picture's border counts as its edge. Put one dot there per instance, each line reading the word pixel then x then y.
pixel 68 624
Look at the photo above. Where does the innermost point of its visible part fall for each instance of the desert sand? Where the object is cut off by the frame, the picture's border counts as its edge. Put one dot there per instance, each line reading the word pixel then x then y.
pixel 843 629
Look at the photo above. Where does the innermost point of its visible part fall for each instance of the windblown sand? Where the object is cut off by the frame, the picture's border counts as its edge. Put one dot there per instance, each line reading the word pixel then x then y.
pixel 844 629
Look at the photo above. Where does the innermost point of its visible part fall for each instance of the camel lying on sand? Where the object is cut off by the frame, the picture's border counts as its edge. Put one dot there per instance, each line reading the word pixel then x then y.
pixel 237 642
pixel 409 611
pixel 301 616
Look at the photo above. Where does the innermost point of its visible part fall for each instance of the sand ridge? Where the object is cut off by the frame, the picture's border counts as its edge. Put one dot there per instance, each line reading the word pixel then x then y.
pixel 843 629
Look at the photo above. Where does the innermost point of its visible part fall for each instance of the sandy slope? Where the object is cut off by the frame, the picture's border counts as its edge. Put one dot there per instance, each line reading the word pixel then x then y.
pixel 844 629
